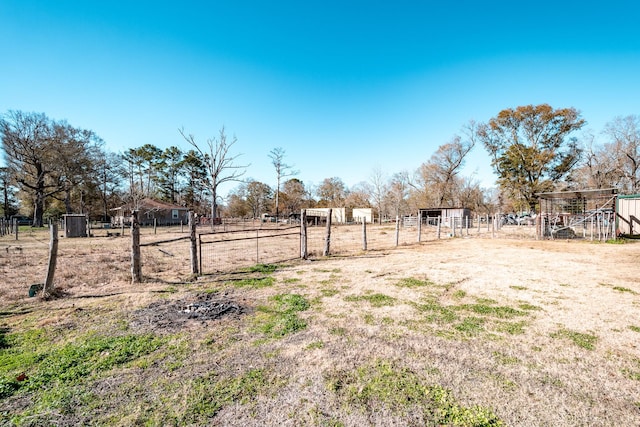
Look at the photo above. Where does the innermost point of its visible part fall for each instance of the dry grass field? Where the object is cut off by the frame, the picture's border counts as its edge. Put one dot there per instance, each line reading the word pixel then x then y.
pixel 469 331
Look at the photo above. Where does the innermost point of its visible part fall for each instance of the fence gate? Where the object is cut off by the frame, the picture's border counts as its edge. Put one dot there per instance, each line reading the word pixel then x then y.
pixel 228 251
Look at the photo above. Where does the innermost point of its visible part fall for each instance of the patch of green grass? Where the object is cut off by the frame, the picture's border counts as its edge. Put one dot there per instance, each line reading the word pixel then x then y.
pixel 376 300
pixel 512 328
pixel 47 365
pixel 382 385
pixel 459 294
pixel 470 326
pixel 528 307
pixel 321 270
pixel 255 283
pixel 634 328
pixel 411 282
pixel 623 289
pixel 262 268
pixel 369 319
pixel 314 345
pixel 291 280
pixel 281 317
pixel 518 287
pixel 500 311
pixel 210 394
pixel 586 341
pixel 329 292
pixel 436 312
pixel 616 241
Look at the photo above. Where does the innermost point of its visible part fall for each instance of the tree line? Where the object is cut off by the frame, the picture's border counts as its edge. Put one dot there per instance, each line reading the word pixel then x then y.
pixel 53 168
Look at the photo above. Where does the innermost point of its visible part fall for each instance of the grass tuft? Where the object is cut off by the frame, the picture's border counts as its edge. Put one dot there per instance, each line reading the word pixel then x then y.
pixel 281 319
pixel 381 385
pixel 586 341
pixel 262 268
pixel 411 282
pixel 254 283
pixel 210 394
pixel 376 300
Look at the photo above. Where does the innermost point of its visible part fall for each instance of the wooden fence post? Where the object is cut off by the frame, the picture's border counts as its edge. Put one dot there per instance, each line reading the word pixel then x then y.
pixel 47 289
pixel 303 234
pixel 438 227
pixel 136 267
pixel 364 233
pixel 15 227
pixel 397 230
pixel 419 227
pixel 194 244
pixel 327 239
pixel 493 226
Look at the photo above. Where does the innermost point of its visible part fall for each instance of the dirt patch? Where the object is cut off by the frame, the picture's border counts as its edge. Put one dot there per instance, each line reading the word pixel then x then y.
pixel 170 316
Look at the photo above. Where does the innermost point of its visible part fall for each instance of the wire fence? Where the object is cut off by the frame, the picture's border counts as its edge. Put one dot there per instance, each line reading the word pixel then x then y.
pixel 231 250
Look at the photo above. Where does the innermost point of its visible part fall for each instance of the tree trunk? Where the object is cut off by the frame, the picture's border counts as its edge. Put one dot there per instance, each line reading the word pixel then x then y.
pixel 327 241
pixel 194 244
pixel 38 206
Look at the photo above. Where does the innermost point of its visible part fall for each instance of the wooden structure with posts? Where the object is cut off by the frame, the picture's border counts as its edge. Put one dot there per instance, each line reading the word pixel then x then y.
pixel 587 214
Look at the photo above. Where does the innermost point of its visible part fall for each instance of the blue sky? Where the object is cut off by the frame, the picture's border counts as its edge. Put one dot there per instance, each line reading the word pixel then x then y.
pixel 342 87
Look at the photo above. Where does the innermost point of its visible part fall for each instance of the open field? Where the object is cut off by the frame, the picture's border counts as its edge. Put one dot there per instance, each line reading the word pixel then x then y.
pixel 461 331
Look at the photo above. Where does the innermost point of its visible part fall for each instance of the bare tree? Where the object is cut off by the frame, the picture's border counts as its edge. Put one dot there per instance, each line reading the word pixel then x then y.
pixel 398 193
pixel 283 170
pixel 624 135
pixel 440 172
pixel 219 164
pixel 600 166
pixel 379 189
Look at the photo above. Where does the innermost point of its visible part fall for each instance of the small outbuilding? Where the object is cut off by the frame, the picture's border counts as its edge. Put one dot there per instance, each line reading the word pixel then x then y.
pixel 448 216
pixel 150 211
pixel 628 215
pixel 75 225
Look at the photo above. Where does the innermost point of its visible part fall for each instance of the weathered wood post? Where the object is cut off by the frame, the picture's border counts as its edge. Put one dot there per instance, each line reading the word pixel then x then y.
pixel 438 227
pixel 488 224
pixel 466 224
pixel 397 230
pixel 327 239
pixel 47 290
pixel 303 234
pixel 478 218
pixel 364 233
pixel 493 226
pixel 15 227
pixel 419 227
pixel 155 225
pixel 136 267
pixel 194 244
